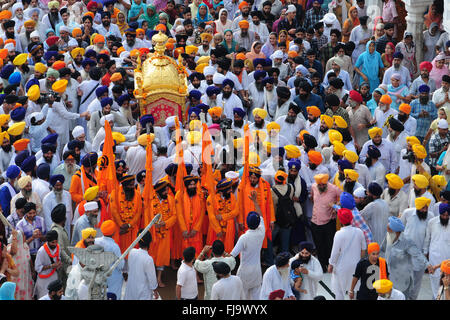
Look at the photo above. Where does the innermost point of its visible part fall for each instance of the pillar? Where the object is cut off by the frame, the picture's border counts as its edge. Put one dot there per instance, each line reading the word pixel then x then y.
pixel 446 19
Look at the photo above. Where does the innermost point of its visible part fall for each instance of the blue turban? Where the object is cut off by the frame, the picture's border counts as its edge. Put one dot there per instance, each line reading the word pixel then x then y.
pixel 15 78
pixel 46 147
pixel 22 155
pixel 101 91
pixel 424 89
pixel 395 224
pixel 55 178
pixel 90 53
pixel 212 90
pixel 50 54
pixel 6 71
pixel 398 55
pixel 253 220
pixel 259 61
pixel 240 112
pixel 74 144
pixel 30 83
pixel 306 245
pixel 18 114
pixel 195 94
pixel 171 169
pixel 105 13
pixel 123 98
pixel 267 80
pixel 259 74
pixel 375 189
pixel 347 201
pixel 344 164
pixel 224 184
pixel 12 172
pixel 146 119
pixel 373 152
pixel 189 168
pixel 194 110
pixel 43 171
pixel 2 98
pixel 443 208
pixel 51 138
pixel 282 259
pixel 28 164
pixel 86 62
pixel 228 82
pixel 294 164
pixel 203 107
pixel 151 33
pixel 90 159
pixel 106 101
pixel 268 62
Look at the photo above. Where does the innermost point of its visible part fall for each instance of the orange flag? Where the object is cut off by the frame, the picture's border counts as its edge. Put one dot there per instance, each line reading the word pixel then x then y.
pixel 179 158
pixel 106 178
pixel 148 187
pixel 207 152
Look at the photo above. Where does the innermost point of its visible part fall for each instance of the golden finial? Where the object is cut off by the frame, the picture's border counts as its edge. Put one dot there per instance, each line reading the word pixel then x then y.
pixel 160 39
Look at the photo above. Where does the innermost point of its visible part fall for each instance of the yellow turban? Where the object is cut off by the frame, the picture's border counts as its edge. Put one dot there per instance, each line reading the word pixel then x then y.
pixel 4 118
pixel 273 126
pixel 29 23
pixel 108 227
pixel 190 49
pixel 53 4
pixel 338 147
pixel 259 112
pixel 254 159
pixel 260 133
pixel 17 128
pixel 203 59
pixel 244 24
pixel 302 133
pixel 422 202
pixel 438 180
pixel 383 285
pixel 195 125
pixel 420 180
pixel 266 144
pixel 327 120
pixel 334 135
pixel 142 139
pixel 76 51
pixel 340 122
pixel 412 140
pixel 34 92
pixel 321 178
pixel 40 67
pixel 292 151
pixel 375 131
pixel 419 151
pixel 20 59
pixel 351 174
pixel 350 156
pixel 199 68
pixel 394 181
pixel 60 85
pixel 206 35
pixel 4 135
pixel 313 110
pixel 91 193
pixel 194 137
pixel 118 137
pixel 88 232
pixel 23 181
pixel 216 111
pixel 238 143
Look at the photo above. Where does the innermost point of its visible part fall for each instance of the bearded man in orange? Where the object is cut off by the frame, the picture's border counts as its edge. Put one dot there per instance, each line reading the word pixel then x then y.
pixel 264 193
pixel 190 209
pixel 163 203
pixel 222 209
pixel 84 178
pixel 126 211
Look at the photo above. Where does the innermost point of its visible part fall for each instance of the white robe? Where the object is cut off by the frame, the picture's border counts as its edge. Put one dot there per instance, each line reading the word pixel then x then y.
pixel 376 215
pixel 310 280
pixel 291 130
pixel 229 288
pixel 49 203
pixel 135 159
pixel 415 228
pixel 42 259
pixel 41 187
pixel 272 281
pixel 141 276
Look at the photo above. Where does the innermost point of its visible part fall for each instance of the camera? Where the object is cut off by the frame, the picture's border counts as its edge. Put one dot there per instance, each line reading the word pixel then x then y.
pixel 410 157
pixel 225 124
pixel 45 96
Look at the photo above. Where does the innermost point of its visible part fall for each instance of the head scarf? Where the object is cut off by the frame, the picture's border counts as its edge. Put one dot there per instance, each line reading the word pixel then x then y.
pixel 207 16
pixel 152 20
pixel 252 55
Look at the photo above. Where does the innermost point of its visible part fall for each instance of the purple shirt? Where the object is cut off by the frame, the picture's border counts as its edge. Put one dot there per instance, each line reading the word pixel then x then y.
pixel 28 228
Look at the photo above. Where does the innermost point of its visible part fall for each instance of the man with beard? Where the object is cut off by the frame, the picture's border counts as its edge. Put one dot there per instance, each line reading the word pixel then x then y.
pixel 315 14
pixel 291 124
pixel 437 229
pixel 67 168
pixel 351 181
pixel 256 91
pixel 196 83
pixel 258 114
pixel 88 220
pixel 342 164
pixel 59 218
pixel 48 156
pixel 397 67
pixel 208 72
pixel 360 118
pixel 326 123
pixel 312 125
pixel 26 191
pixel 228 99
pixel 409 123
pixel 283 68
pixel 403 257
pixel 9 29
pixel 277 277
pixel 55 291
pixel 415 221
pixel 389 158
pixel 382 113
pixel 376 212
pixel 37 53
pixel 270 97
pixel 394 196
pixel 376 168
pixel 41 184
pixel 53 17
pixel 424 78
pixel 84 178
pixel 243 14
pixel 6 151
pixel 283 103
pixel 162 203
pixel 441 97
pixel 222 210
pixel 420 189
pixel 130 41
pixel 106 28
pixel 8 189
pixel 238 120
pixel 258 27
pixel 57 196
pixel 397 135
pixel 227 287
pixel 126 210
pixel 438 143
pixel 48 261
pixel 46 83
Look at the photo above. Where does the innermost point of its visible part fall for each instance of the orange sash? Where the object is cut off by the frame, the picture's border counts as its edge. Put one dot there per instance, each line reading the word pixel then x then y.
pixel 383 273
pixel 56 255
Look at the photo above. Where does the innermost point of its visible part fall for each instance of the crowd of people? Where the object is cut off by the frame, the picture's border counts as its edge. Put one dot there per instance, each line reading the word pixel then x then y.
pixel 313 142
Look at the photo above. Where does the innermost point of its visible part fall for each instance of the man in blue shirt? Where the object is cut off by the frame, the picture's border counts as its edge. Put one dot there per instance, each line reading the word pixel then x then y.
pixel 306 98
pixel 424 111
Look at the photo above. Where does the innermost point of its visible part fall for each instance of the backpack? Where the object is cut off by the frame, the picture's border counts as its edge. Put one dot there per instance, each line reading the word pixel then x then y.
pixel 285 215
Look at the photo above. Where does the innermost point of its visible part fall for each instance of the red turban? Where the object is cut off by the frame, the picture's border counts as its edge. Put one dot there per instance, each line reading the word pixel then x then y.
pixel 276 294
pixel 52 40
pixel 91 5
pixel 345 216
pixel 355 96
pixel 426 65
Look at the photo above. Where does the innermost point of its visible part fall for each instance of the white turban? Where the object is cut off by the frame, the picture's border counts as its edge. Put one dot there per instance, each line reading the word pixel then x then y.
pixel 232 175
pixel 109 117
pixel 360 192
pixel 15 7
pixel 38 116
pixel 277 55
pixel 72 42
pixel 218 78
pixel 64 28
pixel 34 34
pixel 77 131
pixel 209 71
pixel 91 205
pixel 10 47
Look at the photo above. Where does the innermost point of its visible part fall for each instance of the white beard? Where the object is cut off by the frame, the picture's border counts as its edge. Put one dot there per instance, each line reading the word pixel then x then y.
pixel 284 272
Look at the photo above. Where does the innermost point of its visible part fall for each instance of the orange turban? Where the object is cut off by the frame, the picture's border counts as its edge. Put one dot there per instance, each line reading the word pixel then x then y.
pixel 76 32
pixel 386 99
pixel 240 56
pixel 140 30
pixel 244 24
pixel 302 133
pixel 10 41
pixel 108 227
pixel 116 76
pixel 169 46
pixel 120 50
pixel 90 14
pixel 21 144
pixel 5 14
pixel 313 110
pixel 243 4
pixel 315 157
pixel 321 178
pixel 445 266
pixel 58 65
pixel 404 107
pixel 373 246
pixel 99 38
pixel 281 174
pixel 160 27
pixel 292 54
pixel 216 111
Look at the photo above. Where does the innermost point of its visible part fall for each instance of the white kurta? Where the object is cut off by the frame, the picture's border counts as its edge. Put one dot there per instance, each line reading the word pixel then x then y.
pixel 42 259
pixel 141 276
pixel 272 281
pixel 415 228
pixel 135 159
pixel 377 173
pixel 41 187
pixel 346 252
pixel 376 215
pixel 50 202
pixel 227 105
pixel 364 174
pixel 412 198
pixel 397 204
pixel 291 130
pixel 229 288
pixel 310 280
pixel 395 295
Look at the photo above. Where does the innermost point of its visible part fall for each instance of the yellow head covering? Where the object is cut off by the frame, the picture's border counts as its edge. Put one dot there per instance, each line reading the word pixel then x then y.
pixel 20 59
pixel 273 126
pixel 60 85
pixel 334 135
pixel 340 122
pixel 206 35
pixel 412 140
pixel 203 59
pixel 91 193
pixel 75 52
pixel 292 151
pixel 327 120
pixel 40 67
pixel 195 125
pixel 313 110
pixel 142 139
pixel 419 151
pixel 4 135
pixel 4 118
pixel 190 49
pixel 383 285
pixel 88 232
pixel 266 144
pixel 260 133
pixel 338 147
pixel 394 181
pixel 352 174
pixel 439 181
pixel 420 180
pixel 200 67
pixel 17 128
pixel 194 137
pixel 375 131
pixel 259 112
pixel 23 181
pixel 254 159
pixel 118 137
pixel 422 202
pixel 238 143
pixel 350 156
pixel 321 178
pixel 217 111
pixel 34 92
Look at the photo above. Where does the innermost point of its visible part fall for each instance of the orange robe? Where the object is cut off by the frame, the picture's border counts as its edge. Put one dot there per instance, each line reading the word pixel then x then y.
pixel 76 190
pixel 161 245
pixel 190 214
pixel 229 210
pixel 176 246
pixel 265 203
pixel 123 212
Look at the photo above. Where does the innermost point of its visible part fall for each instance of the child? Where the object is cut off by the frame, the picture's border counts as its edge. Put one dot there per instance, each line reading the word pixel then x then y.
pixel 297 278
pixel 38 130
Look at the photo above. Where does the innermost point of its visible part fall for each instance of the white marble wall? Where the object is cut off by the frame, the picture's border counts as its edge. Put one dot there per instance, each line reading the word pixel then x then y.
pixel 446 15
